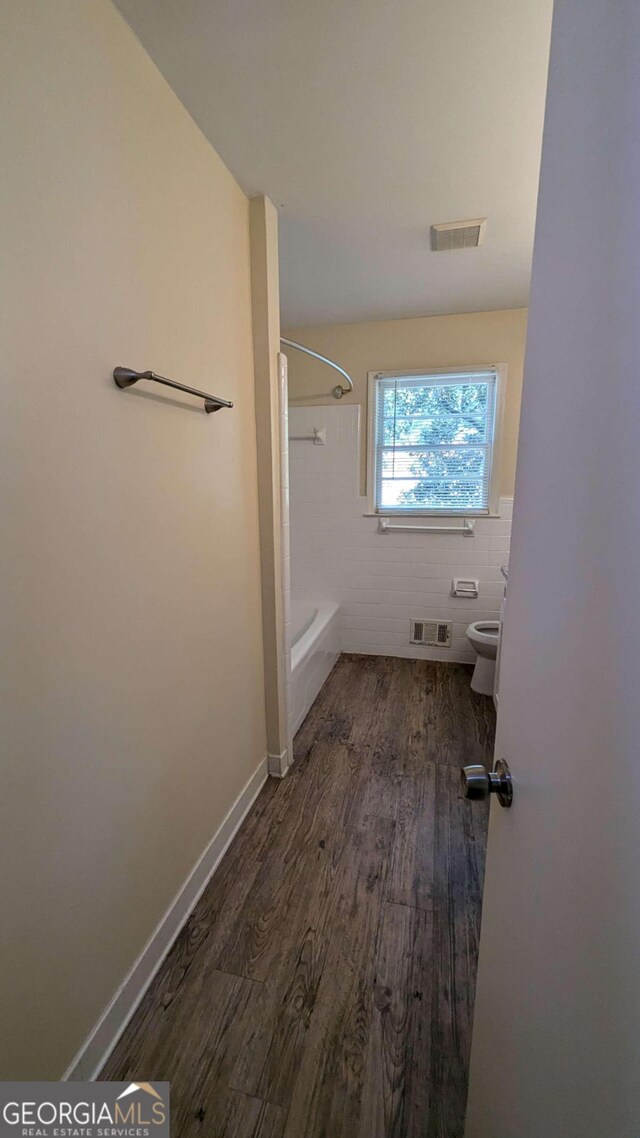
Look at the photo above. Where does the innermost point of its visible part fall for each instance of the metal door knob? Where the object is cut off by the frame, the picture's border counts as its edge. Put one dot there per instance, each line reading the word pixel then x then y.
pixel 478 782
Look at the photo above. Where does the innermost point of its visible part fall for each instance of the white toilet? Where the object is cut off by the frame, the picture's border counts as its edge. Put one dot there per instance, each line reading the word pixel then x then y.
pixel 483 636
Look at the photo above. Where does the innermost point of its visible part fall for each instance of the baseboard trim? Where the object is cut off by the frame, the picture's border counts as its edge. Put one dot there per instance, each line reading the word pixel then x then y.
pixel 278 765
pixel 102 1039
pixel 406 654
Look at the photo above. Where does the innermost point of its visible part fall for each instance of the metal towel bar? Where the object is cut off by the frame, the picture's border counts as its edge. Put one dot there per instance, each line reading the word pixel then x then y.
pixel 126 377
pixel 318 437
pixel 466 529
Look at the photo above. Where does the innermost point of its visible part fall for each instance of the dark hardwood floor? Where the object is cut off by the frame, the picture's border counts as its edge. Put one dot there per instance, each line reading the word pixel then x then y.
pixel 323 987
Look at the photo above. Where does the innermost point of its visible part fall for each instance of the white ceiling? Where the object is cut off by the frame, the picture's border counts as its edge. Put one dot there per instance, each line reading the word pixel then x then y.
pixel 366 121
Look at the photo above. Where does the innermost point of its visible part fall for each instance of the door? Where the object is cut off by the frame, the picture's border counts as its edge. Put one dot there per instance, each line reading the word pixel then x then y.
pixel 556 1049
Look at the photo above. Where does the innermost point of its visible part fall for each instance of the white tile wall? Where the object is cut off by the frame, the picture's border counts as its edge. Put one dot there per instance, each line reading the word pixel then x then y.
pixel 380 581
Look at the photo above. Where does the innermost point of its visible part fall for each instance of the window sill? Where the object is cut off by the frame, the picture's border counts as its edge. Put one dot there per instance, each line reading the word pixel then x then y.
pixel 419 514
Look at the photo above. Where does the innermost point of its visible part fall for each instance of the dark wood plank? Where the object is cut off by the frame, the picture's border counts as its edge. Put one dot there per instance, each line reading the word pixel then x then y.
pixel 286 883
pixel 234 1115
pixel 329 1084
pixel 460 836
pixel 298 952
pixel 460 828
pixel 324 984
pixel 357 851
pixel 396 1098
pixel 192 1044
pixel 465 720
pixel 412 872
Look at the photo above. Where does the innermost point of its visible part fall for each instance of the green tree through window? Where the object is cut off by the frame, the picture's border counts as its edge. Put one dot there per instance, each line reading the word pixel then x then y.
pixel 434 439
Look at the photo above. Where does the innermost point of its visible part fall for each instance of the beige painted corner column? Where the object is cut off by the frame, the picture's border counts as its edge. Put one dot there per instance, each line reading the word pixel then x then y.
pixel 271 411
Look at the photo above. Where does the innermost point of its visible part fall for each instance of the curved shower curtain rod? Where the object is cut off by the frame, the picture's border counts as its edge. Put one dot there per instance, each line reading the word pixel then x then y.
pixel 338 390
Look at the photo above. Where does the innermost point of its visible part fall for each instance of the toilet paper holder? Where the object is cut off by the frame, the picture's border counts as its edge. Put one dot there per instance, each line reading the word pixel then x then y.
pixel 465 587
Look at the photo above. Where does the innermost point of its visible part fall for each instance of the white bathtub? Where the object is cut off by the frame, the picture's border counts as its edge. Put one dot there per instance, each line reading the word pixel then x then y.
pixel 315 647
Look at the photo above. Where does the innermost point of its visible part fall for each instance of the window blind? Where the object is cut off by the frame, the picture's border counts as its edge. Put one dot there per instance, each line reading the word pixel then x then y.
pixel 433 445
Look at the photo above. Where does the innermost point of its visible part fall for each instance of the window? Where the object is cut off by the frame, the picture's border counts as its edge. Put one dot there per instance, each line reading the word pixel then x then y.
pixel 432 441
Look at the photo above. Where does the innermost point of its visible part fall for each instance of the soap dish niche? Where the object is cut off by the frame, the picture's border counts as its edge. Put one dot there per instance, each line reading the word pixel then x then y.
pixel 465 587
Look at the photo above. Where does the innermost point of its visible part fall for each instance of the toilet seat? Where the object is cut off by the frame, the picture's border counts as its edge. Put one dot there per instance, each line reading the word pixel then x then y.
pixel 484 632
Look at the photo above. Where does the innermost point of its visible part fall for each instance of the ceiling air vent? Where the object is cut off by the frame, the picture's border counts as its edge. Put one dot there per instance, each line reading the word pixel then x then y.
pixel 433 632
pixel 458 235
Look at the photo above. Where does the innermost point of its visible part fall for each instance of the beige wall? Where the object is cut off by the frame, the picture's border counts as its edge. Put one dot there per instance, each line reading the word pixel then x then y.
pixel 430 342
pixel 132 652
pixel 273 537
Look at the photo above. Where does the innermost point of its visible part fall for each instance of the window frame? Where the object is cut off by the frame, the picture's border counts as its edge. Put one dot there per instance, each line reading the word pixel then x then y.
pixel 373 377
